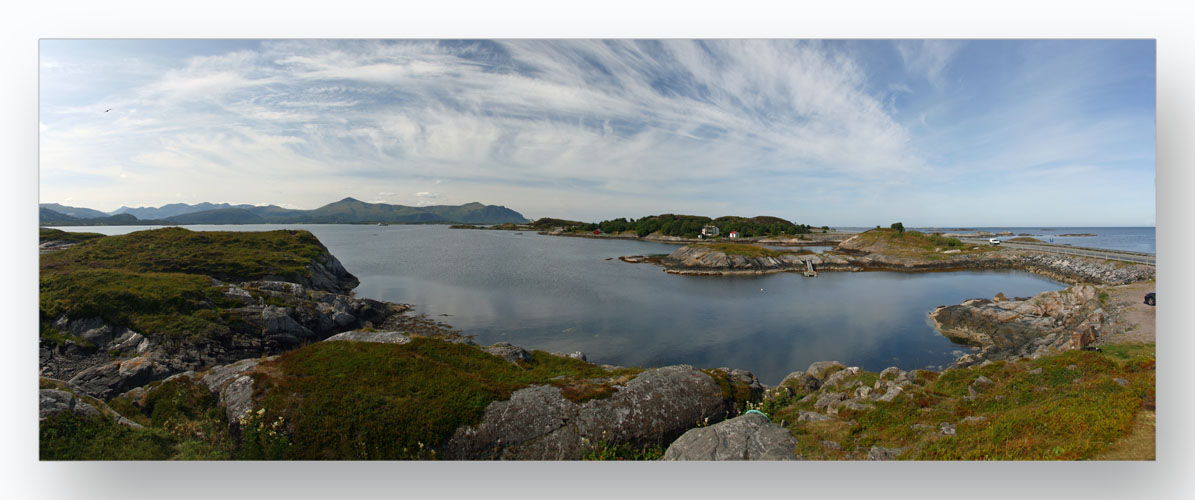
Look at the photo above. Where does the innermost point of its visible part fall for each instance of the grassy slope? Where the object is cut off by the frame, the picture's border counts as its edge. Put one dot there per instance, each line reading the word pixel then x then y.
pixel 182 419
pixel 913 244
pixel 47 234
pixel 160 281
pixel 742 249
pixel 351 400
pixel 222 255
pixel 346 400
pixel 1072 410
pixel 329 400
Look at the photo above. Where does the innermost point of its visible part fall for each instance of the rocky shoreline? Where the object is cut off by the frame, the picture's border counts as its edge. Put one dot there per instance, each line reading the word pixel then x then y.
pixel 811 239
pixel 704 260
pixel 680 411
pixel 684 412
pixel 270 316
pixel 1024 327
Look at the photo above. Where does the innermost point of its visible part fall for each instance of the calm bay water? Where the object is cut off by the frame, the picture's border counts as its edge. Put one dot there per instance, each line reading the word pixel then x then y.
pixel 572 294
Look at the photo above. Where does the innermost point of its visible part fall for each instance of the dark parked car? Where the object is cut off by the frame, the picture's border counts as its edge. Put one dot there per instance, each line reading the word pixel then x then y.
pixel 1151 299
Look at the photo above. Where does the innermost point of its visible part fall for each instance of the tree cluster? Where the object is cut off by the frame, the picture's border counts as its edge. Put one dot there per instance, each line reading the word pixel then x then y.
pixel 689 226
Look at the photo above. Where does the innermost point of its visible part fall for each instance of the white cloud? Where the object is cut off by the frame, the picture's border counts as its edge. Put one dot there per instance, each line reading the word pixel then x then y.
pixel 928 58
pixel 594 127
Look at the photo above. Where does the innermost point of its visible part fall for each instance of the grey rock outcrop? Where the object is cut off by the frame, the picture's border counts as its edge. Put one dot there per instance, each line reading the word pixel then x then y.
pixel 233 386
pixel 812 416
pixel 839 378
pixel 823 369
pixel 376 337
pixel 892 373
pixel 1047 322
pixel 539 423
pixel 512 353
pixel 109 359
pixel 747 437
pixel 329 275
pixel 51 401
pixel 108 380
pixel 575 355
pixel 882 453
pixel 980 385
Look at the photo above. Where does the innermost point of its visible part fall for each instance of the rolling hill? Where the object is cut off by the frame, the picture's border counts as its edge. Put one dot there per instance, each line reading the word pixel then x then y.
pixel 346 211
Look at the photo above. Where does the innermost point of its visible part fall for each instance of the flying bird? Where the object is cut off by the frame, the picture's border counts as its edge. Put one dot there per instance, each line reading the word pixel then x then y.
pixel 107 110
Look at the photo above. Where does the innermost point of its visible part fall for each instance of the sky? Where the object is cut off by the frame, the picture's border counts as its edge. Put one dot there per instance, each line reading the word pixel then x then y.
pixel 823 132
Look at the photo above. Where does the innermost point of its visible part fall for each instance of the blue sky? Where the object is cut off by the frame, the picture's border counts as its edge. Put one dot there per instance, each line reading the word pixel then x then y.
pixel 843 132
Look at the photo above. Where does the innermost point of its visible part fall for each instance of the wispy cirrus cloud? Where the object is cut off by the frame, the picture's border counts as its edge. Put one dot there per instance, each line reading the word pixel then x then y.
pixel 568 128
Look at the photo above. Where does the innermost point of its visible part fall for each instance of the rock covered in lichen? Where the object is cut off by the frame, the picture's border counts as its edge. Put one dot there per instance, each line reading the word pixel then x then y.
pixel 747 437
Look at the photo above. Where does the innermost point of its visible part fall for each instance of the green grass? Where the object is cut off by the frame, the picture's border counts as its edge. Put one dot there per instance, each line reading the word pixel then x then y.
pixel 914 244
pixel 47 234
pixel 186 411
pixel 228 256
pixel 733 390
pixel 160 281
pixel 49 335
pixel 355 400
pixel 70 436
pixel 1072 410
pixel 742 249
pixel 1123 352
pixel 623 451
pixel 147 302
pixel 1025 239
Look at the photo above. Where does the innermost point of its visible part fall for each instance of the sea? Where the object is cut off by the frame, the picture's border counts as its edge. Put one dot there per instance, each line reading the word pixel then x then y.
pixel 561 294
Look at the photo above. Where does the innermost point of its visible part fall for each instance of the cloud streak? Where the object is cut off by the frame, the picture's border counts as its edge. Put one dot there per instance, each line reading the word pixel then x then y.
pixel 646 124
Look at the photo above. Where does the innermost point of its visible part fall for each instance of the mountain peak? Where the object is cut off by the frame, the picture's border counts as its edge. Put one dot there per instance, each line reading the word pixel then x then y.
pixel 349 199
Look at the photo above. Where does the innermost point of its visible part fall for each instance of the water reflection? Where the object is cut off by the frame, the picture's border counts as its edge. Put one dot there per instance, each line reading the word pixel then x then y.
pixel 562 294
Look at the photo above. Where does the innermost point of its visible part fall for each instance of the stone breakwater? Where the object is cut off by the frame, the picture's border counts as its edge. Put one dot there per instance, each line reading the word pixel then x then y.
pixel 1029 327
pixel 703 260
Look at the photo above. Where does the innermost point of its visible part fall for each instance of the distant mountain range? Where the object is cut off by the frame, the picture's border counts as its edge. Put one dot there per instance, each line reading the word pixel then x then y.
pixel 346 211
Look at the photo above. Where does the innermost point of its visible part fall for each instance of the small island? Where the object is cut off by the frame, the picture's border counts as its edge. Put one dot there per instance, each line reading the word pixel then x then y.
pixel 682 229
pixel 891 249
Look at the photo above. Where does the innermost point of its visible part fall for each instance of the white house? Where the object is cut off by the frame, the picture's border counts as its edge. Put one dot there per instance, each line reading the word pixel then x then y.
pixel 709 231
pixel 733 234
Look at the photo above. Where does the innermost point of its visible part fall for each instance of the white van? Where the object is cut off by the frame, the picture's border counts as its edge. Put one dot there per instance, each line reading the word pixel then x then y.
pixel 993 241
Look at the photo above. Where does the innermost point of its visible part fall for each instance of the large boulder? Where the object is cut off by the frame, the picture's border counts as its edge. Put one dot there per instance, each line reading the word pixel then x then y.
pixel 822 369
pixel 539 423
pixel 512 353
pixel 748 437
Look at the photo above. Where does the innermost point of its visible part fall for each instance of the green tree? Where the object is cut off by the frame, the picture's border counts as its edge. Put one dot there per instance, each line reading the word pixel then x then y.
pixel 900 228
